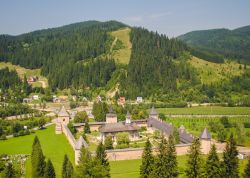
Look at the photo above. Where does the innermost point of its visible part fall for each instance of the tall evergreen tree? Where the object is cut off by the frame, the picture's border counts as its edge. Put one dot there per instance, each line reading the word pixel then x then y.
pixel 49 170
pixel 171 160
pixel 247 170
pixel 108 143
pixel 26 87
pixel 67 168
pixel 102 157
pixel 86 127
pixel 230 159
pixel 194 163
pixel 37 159
pixel 213 165
pixel 84 167
pixel 160 165
pixel 9 171
pixel 147 161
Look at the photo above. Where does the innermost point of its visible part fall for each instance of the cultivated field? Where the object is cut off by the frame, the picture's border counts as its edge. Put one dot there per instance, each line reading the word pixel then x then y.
pixel 53 146
pixel 208 110
pixel 122 55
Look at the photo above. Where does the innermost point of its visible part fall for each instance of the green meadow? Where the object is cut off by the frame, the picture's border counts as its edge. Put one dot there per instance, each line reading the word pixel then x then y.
pixel 53 146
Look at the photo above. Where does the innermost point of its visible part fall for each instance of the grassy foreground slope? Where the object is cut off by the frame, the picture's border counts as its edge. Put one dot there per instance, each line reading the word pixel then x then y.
pixel 53 146
pixel 122 55
pixel 21 71
pixel 210 72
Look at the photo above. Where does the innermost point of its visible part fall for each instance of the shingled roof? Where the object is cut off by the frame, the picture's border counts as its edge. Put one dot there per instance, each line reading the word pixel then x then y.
pixel 63 112
pixel 168 129
pixel 153 111
pixel 118 127
pixel 205 134
pixel 111 112
pixel 81 142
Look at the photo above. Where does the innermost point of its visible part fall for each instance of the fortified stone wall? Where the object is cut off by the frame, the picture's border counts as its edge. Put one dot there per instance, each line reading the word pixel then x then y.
pixel 69 136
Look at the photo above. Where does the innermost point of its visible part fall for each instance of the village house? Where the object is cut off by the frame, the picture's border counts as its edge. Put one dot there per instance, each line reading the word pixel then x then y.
pixel 112 127
pixel 139 99
pixel 121 100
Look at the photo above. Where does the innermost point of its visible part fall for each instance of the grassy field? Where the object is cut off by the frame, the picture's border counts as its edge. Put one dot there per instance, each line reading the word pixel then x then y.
pixel 54 147
pixel 210 72
pixel 28 72
pixel 131 168
pixel 122 55
pixel 207 110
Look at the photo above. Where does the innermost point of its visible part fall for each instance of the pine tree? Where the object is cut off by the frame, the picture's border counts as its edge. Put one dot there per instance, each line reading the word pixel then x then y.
pixel 194 163
pixel 171 160
pixel 49 170
pixel 108 143
pixel 160 161
pixel 26 87
pixel 247 170
pixel 86 127
pixel 147 161
pixel 84 168
pixel 230 159
pixel 9 171
pixel 37 159
pixel 102 157
pixel 213 165
pixel 67 168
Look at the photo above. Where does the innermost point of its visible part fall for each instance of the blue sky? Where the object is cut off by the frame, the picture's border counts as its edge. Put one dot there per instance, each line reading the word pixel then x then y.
pixel 169 17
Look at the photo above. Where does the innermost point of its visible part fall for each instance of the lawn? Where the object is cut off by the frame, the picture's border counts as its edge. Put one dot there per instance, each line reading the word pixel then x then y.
pixel 206 110
pixel 54 147
pixel 131 168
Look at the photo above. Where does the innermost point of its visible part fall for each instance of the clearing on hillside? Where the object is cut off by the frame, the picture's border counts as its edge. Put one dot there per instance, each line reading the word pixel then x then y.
pixel 21 71
pixel 122 55
pixel 210 72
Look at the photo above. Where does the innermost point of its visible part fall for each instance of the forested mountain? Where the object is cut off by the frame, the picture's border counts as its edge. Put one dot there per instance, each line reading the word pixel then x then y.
pixel 81 56
pixel 217 44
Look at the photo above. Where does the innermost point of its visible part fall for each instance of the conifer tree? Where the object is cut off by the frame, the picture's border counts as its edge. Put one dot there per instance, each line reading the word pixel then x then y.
pixel 230 159
pixel 171 160
pixel 49 170
pixel 102 157
pixel 213 165
pixel 160 161
pixel 37 159
pixel 147 161
pixel 9 171
pixel 86 127
pixel 67 168
pixel 84 168
pixel 108 143
pixel 194 163
pixel 26 87
pixel 247 170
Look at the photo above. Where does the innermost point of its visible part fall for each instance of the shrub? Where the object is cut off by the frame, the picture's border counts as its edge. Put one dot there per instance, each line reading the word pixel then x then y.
pixel 122 146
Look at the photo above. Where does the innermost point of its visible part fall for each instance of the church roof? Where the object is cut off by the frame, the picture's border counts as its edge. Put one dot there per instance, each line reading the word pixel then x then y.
pixel 205 134
pixel 111 112
pixel 63 112
pixel 118 127
pixel 153 111
pixel 128 115
pixel 81 142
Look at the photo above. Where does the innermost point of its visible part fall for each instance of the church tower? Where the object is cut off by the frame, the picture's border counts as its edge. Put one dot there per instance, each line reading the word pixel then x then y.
pixel 205 139
pixel 111 117
pixel 153 113
pixel 128 118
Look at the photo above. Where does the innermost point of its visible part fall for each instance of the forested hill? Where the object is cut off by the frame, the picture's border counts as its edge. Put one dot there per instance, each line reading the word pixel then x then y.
pixel 217 44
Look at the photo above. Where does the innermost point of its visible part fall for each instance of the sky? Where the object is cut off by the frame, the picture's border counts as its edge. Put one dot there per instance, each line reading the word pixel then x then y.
pixel 172 18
